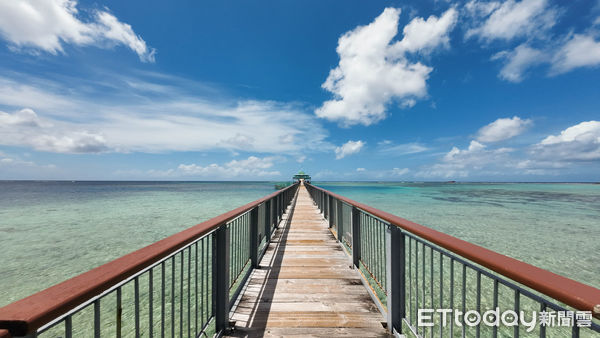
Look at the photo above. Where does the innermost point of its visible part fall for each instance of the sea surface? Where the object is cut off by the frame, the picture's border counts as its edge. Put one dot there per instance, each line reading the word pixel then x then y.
pixel 51 231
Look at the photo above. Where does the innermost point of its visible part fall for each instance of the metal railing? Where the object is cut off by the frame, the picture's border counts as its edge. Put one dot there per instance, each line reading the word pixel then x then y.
pixel 181 286
pixel 409 268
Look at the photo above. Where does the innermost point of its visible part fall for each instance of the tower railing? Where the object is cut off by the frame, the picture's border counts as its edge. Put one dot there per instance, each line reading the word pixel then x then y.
pixel 432 284
pixel 181 286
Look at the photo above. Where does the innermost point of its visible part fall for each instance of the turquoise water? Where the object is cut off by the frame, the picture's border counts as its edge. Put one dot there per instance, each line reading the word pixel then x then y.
pixel 52 231
pixel 552 226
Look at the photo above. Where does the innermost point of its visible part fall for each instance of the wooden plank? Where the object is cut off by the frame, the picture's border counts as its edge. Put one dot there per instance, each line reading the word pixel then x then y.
pixel 305 286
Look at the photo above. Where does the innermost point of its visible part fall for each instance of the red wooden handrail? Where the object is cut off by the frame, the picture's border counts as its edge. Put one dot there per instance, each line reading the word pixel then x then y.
pixel 30 313
pixel 578 295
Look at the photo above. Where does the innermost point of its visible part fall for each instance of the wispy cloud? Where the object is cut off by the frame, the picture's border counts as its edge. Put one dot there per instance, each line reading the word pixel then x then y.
pixel 529 23
pixel 389 148
pixel 348 148
pixel 46 25
pixel 373 71
pixel 245 169
pixel 510 19
pixel 149 113
pixel 579 50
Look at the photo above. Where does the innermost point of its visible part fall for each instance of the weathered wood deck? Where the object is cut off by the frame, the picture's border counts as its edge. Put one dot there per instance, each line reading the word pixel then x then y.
pixel 305 286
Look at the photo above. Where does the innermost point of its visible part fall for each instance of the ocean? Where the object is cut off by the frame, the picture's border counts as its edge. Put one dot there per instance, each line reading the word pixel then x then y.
pixel 51 231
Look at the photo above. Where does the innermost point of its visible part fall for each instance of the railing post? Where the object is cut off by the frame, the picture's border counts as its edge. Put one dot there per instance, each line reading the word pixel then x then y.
pixel 355 237
pixel 340 221
pixel 330 210
pixel 278 210
pixel 396 293
pixel 268 221
pixel 221 277
pixel 325 205
pixel 254 237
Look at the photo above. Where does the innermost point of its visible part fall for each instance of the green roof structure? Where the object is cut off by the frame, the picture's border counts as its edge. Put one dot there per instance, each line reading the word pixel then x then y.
pixel 301 175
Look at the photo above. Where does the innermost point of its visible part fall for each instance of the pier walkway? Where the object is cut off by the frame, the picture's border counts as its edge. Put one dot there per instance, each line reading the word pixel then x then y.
pixel 305 285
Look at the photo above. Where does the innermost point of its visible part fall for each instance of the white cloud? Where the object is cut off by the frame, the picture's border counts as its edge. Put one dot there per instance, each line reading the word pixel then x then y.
pixel 251 167
pixel 49 24
pixel 574 149
pixel 400 172
pixel 14 164
pixel 158 114
pixel 425 35
pixel 373 71
pixel 460 163
pixel 388 148
pixel 580 142
pixel 510 19
pixel 301 158
pixel 579 50
pixel 348 148
pixel 25 128
pixel 518 61
pixel 360 169
pixel 503 129
pixel 24 117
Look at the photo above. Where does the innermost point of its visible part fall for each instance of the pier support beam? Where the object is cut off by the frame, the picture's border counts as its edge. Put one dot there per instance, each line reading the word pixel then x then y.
pixel 221 277
pixel 254 237
pixel 396 273
pixel 329 210
pixel 355 237
pixel 268 221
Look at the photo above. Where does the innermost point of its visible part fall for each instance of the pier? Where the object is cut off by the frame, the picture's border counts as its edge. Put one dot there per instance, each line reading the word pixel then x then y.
pixel 305 285
pixel 304 261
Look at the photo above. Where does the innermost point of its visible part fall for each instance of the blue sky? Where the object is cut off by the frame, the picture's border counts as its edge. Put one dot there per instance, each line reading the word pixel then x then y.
pixel 354 90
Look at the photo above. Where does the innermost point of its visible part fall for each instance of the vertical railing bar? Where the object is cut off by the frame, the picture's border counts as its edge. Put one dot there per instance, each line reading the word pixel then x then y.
pixel 517 309
pixel 478 328
pixel 181 262
pixel 376 256
pixel 575 330
pixel 69 327
pixel 136 287
pixel 451 294
pixel 441 291
pixel 464 291
pixel 151 302
pixel 119 312
pixel 495 305
pixel 382 257
pixel 372 244
pixel 431 281
pixel 417 299
pixel 189 287
pixel 542 327
pixel 196 290
pixel 423 278
pixel 97 318
pixel 410 293
pixel 203 276
pixel 210 310
pixel 173 296
pixel 162 300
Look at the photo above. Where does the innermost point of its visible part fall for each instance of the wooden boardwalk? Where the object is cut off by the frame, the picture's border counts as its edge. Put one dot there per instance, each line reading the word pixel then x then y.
pixel 305 286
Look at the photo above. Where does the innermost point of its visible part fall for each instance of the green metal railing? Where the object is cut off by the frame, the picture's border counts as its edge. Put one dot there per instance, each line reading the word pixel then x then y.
pixel 182 286
pixel 409 268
